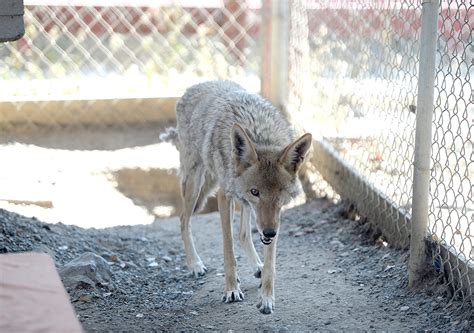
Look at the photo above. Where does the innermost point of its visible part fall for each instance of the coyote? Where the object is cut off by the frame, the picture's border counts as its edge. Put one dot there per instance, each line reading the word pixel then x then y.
pixel 238 144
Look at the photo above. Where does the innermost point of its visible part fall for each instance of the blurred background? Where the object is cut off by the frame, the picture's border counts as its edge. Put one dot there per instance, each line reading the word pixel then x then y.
pixel 86 92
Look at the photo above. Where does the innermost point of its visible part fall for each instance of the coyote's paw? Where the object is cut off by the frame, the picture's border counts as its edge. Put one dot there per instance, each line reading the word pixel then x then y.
pixel 233 296
pixel 266 305
pixel 198 269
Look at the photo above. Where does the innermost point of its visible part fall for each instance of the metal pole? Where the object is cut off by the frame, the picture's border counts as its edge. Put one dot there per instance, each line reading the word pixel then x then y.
pixel 424 120
pixel 275 35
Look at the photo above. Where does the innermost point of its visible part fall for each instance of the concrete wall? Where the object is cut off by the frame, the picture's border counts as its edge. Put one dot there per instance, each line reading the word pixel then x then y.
pixel 85 112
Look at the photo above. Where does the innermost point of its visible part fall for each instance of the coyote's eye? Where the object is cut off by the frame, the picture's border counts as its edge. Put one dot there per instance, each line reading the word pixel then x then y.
pixel 254 192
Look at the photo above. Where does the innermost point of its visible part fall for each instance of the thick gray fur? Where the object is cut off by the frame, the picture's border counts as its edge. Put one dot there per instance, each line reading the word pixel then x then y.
pixel 205 116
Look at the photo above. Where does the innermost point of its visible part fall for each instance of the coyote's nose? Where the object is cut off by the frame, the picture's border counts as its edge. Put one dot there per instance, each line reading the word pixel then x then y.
pixel 269 233
pixel 267 236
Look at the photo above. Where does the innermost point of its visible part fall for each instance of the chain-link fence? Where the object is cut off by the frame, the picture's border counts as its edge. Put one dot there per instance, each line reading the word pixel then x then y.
pixel 451 219
pixel 85 93
pixel 360 93
pixel 85 49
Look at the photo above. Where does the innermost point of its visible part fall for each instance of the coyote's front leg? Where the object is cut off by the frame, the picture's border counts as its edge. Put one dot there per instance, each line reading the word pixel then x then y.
pixel 232 283
pixel 266 304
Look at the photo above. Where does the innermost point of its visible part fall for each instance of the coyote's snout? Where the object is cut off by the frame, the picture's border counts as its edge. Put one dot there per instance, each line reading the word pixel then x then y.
pixel 238 144
pixel 267 236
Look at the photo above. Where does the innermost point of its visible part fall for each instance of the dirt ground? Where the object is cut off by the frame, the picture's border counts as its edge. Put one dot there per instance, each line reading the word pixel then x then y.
pixel 331 275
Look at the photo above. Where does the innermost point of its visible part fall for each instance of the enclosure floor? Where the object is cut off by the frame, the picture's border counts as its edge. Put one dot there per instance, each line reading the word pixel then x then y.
pixel 330 276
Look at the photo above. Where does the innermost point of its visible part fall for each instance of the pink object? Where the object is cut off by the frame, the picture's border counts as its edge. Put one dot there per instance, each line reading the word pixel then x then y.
pixel 32 297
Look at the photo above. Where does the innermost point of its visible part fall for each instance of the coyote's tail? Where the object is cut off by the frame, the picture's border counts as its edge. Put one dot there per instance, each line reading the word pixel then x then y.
pixel 170 135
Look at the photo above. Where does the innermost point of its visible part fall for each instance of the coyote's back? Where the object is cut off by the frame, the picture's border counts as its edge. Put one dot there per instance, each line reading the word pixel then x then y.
pixel 205 116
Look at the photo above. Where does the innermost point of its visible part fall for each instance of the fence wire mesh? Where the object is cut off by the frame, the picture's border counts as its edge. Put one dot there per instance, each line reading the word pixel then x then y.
pixel 451 220
pixel 361 91
pixel 360 95
pixel 114 50
pixel 85 93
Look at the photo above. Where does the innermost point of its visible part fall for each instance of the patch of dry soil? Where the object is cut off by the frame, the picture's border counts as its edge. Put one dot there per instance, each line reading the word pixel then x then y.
pixel 330 275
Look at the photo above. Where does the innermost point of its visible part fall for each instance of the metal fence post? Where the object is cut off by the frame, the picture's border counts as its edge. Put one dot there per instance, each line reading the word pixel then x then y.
pixel 275 41
pixel 423 141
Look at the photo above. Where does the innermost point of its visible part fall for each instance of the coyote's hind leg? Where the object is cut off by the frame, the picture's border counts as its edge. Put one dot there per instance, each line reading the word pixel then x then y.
pixel 191 188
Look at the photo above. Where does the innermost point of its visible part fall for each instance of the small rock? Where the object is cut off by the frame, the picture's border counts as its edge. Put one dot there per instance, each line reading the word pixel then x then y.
pixel 114 258
pixel 139 315
pixel 89 269
pixel 309 230
pixel 336 243
pixel 327 322
pixel 332 271
pixel 304 276
pixel 404 308
pixel 194 313
pixel 298 234
pixel 129 264
pixel 85 298
pixel 63 247
pixel 152 264
pixel 167 258
pixel 389 267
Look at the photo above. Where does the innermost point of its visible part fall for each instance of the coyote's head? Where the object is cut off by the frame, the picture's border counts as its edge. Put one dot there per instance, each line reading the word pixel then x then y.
pixel 267 177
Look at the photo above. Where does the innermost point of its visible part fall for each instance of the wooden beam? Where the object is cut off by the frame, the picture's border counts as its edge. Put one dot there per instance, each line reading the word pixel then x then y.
pixel 32 297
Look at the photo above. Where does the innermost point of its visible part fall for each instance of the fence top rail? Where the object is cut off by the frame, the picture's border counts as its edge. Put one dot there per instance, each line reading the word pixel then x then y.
pixel 370 4
pixel 252 4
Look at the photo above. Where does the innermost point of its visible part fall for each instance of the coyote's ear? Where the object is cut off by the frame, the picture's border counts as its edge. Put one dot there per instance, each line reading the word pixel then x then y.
pixel 243 150
pixel 293 155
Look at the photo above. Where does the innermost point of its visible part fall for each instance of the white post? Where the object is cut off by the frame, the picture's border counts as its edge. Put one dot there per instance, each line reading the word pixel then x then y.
pixel 275 41
pixel 424 120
